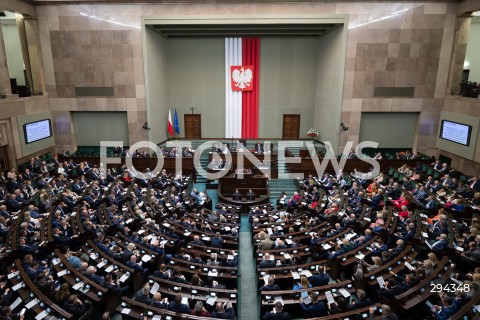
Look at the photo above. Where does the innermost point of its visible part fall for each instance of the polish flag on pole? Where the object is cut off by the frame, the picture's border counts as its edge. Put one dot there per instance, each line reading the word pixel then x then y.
pixel 170 124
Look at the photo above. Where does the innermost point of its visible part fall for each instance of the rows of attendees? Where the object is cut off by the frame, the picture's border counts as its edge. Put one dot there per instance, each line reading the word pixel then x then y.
pixel 86 245
pixel 333 248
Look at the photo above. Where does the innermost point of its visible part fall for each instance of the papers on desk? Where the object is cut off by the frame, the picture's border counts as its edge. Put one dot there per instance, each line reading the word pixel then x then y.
pixel 326 246
pixel 272 257
pixel 187 233
pixel 344 292
pixel 62 273
pixel 41 315
pixel 298 223
pixel 109 269
pixel 212 273
pixel 17 286
pixel 155 288
pixel 78 285
pixel 101 264
pixel 129 220
pixel 288 241
pixel 146 258
pixel 93 256
pixel 409 266
pixel 269 230
pixel 162 243
pixel 424 234
pixel 350 235
pixel 329 296
pixel 368 219
pixel 305 273
pixel 278 299
pixel 206 238
pixel 295 275
pixel 265 278
pixel 124 278
pixel 142 231
pixel 211 301
pixel 166 225
pixel 16 303
pixel 227 228
pixel 153 240
pixel 56 261
pixel 287 256
pixel 126 311
pixel 185 300
pixel 381 282
pixel 230 257
pixel 32 303
pixel 157 317
pixel 360 256
pixel 11 275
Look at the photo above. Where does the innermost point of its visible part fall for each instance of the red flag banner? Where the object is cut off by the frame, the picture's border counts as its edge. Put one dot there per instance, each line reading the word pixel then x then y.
pixel 242 78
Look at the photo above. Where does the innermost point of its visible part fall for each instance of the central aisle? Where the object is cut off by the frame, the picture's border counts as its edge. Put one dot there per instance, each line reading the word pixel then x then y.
pixel 248 307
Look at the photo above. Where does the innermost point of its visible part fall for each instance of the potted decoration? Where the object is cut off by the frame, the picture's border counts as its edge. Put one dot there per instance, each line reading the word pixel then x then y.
pixel 312 133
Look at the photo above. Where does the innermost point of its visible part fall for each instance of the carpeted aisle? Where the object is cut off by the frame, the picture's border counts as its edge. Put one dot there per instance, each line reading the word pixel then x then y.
pixel 248 304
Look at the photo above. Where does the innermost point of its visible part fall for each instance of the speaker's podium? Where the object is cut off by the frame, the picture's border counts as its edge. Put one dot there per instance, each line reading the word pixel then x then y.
pixel 243 188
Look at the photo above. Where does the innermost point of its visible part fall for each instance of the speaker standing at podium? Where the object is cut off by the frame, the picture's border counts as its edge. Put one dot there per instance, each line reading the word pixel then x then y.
pixel 236 196
pixel 250 195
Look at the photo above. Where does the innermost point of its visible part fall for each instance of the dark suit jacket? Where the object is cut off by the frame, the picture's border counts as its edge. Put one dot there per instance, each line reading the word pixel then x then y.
pixel 277 316
pixel 314 309
pixel 182 308
pixel 440 246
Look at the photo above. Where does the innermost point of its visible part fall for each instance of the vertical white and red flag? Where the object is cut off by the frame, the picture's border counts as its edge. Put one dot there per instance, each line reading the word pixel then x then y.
pixel 242 65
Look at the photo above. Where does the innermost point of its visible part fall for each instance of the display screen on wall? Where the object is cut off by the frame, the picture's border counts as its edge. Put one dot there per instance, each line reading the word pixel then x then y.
pixel 455 132
pixel 38 130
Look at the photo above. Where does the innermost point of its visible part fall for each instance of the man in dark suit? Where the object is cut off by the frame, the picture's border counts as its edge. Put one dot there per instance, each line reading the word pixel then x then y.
pixel 474 184
pixel 217 241
pixel 236 196
pixel 223 313
pixel 319 278
pixel 395 192
pixel 446 311
pixel 398 249
pixel 392 289
pixel 277 313
pixel 74 306
pixel 61 239
pixel 196 241
pixel 143 295
pixel 259 147
pixel 157 301
pixel 362 301
pixel 266 262
pixel 271 286
pixel 13 204
pixel 431 203
pixel 91 274
pixel 420 194
pixel 177 306
pixel 441 244
pixel 314 309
